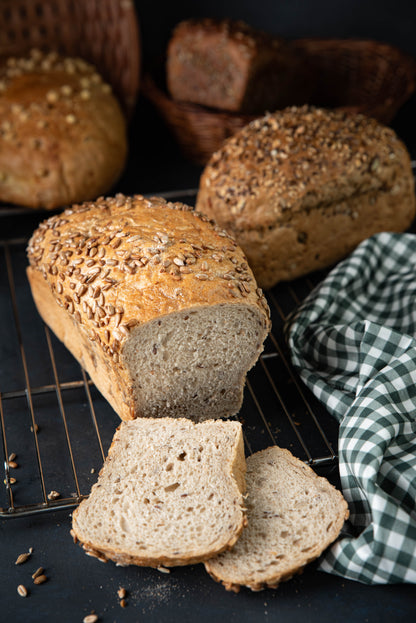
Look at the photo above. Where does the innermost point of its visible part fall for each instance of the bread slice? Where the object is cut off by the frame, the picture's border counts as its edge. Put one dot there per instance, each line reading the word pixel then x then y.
pixel 170 493
pixel 293 515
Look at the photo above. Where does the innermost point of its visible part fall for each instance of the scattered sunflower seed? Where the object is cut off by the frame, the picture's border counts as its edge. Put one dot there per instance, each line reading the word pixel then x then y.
pixel 122 592
pixel 22 590
pixel 54 495
pixel 37 573
pixel 22 558
pixel 163 570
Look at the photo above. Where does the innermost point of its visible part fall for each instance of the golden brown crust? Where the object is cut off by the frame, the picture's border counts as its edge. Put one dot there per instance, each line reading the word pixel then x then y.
pixel 89 250
pixel 62 132
pixel 258 586
pixel 123 559
pixel 300 188
pixel 101 269
pixel 109 378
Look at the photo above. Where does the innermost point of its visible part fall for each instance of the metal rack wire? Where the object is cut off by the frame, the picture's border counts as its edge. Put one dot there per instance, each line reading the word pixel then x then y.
pixel 59 427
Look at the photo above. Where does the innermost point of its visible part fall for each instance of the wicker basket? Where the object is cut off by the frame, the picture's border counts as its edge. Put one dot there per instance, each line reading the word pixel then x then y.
pixel 369 77
pixel 358 76
pixel 103 32
pixel 199 131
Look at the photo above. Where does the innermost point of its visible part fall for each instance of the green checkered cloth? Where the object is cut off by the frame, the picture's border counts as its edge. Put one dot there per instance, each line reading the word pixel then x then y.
pixel 353 342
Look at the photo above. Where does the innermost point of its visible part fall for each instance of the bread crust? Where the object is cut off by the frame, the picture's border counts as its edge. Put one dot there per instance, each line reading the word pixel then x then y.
pixel 63 136
pixel 101 271
pixel 300 188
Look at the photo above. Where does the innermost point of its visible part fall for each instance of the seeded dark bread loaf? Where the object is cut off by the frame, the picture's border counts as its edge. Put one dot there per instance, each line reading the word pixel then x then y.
pixel 293 515
pixel 300 188
pixel 170 493
pixel 229 65
pixel 62 132
pixel 157 303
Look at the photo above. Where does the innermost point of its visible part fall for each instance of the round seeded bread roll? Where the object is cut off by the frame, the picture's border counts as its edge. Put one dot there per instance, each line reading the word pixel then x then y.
pixel 299 189
pixel 62 132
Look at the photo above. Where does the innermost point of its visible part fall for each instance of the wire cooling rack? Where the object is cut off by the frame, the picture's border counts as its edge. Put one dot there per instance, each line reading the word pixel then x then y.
pixel 56 427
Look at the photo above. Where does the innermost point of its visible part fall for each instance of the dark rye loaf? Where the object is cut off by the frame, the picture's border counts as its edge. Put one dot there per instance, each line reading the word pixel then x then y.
pixel 228 65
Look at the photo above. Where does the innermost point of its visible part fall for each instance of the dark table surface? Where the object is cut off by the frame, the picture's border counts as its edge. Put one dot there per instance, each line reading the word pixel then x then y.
pixel 77 585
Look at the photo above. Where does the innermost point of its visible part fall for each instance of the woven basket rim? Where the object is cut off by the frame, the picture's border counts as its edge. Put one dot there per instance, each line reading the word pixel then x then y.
pixel 155 89
pixel 356 43
pixel 198 129
pixel 352 39
pixel 46 25
pixel 154 92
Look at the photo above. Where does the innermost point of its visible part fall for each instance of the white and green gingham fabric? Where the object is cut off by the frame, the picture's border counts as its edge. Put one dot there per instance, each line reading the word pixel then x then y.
pixel 353 342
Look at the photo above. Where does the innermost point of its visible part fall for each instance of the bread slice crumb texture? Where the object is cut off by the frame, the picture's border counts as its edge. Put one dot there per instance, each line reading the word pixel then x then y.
pixel 193 363
pixel 170 493
pixel 293 515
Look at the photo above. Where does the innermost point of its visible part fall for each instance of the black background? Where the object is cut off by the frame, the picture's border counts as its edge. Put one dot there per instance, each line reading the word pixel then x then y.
pixel 392 22
pixel 78 584
pixel 155 163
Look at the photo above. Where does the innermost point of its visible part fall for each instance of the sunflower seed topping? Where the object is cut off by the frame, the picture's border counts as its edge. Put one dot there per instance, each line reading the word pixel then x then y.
pixel 22 558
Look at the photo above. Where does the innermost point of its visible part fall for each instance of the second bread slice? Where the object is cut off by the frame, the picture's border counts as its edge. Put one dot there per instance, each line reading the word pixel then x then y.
pixel 170 493
pixel 293 515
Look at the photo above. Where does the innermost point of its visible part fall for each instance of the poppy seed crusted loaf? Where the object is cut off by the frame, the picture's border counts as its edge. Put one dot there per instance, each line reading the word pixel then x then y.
pixel 170 493
pixel 293 515
pixel 154 300
pixel 62 132
pixel 300 188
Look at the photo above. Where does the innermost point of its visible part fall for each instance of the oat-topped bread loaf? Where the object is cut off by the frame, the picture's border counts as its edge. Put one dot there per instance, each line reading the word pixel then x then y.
pixel 229 65
pixel 154 300
pixel 300 188
pixel 293 515
pixel 170 493
pixel 62 132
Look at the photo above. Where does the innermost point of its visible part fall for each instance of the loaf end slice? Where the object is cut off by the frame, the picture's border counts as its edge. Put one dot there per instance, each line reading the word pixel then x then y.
pixel 293 515
pixel 170 493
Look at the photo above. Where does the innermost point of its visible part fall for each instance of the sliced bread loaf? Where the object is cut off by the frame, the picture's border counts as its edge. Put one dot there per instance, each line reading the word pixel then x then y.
pixel 170 493
pixel 155 301
pixel 293 515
